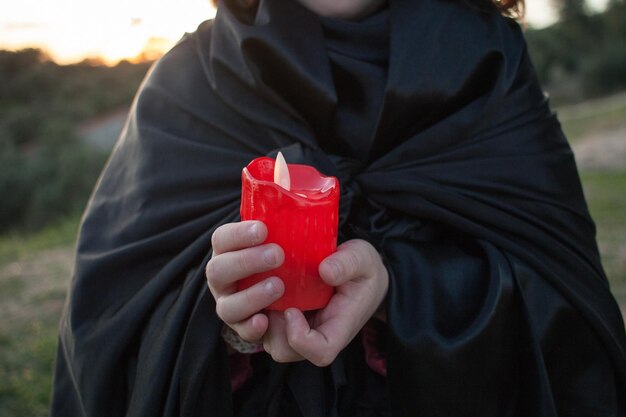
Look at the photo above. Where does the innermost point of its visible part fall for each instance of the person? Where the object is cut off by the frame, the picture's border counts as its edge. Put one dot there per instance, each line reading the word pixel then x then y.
pixel 467 278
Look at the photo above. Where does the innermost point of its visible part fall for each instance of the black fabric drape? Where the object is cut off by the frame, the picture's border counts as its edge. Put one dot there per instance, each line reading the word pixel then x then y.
pixel 358 56
pixel 498 304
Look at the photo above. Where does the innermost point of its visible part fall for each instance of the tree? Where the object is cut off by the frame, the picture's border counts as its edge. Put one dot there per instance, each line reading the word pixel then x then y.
pixel 572 10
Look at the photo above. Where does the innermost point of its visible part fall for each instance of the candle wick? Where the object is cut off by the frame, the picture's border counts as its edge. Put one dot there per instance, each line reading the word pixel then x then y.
pixel 281 172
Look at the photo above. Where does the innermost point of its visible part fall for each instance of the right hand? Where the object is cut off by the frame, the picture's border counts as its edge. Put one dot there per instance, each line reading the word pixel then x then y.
pixel 238 252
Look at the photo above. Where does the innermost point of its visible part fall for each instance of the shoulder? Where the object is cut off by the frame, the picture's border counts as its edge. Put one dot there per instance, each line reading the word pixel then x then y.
pixel 487 35
pixel 489 27
pixel 181 65
pixel 186 49
pixel 177 80
pixel 463 32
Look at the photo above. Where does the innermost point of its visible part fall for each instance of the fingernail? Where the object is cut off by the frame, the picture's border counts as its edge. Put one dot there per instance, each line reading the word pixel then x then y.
pixel 271 288
pixel 288 315
pixel 254 232
pixel 269 256
pixel 334 268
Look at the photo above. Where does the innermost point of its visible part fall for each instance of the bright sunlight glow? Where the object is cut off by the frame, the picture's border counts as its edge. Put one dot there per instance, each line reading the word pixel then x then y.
pixel 72 30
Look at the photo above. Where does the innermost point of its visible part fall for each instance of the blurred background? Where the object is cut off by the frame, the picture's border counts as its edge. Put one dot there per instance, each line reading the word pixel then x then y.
pixel 68 73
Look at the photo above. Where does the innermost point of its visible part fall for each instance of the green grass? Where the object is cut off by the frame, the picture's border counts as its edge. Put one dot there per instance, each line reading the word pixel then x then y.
pixel 16 244
pixel 605 191
pixel 27 352
pixel 11 287
pixel 35 269
pixel 588 118
pixel 606 197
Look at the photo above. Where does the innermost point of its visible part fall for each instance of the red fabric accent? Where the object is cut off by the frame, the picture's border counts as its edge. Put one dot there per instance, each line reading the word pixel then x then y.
pixel 240 370
pixel 375 359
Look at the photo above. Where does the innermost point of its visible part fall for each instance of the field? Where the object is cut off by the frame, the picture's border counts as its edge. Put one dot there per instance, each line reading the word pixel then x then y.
pixel 606 196
pixel 34 274
pixel 35 269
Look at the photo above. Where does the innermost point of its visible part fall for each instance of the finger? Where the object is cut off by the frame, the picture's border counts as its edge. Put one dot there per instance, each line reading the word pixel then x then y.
pixel 235 236
pixel 275 340
pixel 253 328
pixel 311 344
pixel 240 305
pixel 353 259
pixel 225 269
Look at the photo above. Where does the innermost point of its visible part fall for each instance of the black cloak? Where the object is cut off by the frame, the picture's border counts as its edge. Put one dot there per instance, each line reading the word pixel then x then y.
pixel 498 304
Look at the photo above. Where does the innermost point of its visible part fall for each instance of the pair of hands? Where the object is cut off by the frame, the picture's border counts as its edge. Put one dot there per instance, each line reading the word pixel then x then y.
pixel 356 270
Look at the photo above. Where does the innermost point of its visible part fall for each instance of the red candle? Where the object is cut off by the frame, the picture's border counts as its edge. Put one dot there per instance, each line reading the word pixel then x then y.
pixel 303 221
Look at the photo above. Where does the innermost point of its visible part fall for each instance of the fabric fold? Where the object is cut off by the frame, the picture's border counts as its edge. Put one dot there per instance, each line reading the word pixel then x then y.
pixel 471 195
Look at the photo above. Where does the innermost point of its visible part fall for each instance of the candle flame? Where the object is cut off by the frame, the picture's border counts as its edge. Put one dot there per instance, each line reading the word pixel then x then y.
pixel 281 172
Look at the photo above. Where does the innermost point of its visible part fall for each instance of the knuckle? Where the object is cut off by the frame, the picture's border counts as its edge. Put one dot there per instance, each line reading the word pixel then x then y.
pixel 280 352
pixel 363 247
pixel 248 297
pixel 216 238
pixel 220 308
pixel 282 356
pixel 210 270
pixel 243 260
pixel 212 276
pixel 276 354
pixel 362 256
pixel 244 331
pixel 352 263
pixel 247 336
pixel 323 360
pixel 294 340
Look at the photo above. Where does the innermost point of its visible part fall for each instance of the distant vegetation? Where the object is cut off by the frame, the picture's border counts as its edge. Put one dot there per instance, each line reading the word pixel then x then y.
pixel 46 172
pixel 583 55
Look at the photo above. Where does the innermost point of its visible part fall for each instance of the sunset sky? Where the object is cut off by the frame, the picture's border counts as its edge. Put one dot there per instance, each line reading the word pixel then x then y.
pixel 71 30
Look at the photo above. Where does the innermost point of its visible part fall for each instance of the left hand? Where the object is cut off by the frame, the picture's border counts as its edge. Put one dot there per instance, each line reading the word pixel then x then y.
pixel 361 281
